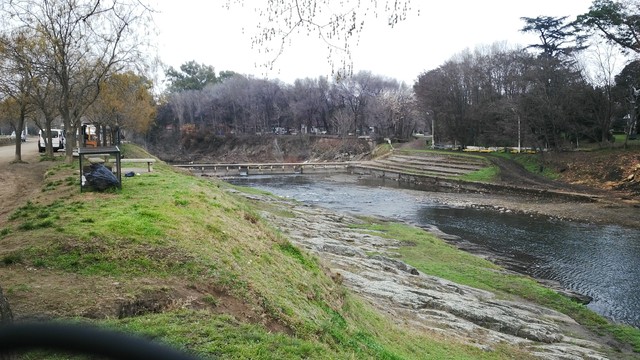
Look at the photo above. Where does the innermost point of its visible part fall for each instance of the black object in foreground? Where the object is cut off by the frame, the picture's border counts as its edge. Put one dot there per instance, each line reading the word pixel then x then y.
pixel 101 178
pixel 82 339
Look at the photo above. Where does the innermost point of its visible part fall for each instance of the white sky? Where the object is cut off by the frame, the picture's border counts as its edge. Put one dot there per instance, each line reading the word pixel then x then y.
pixel 206 32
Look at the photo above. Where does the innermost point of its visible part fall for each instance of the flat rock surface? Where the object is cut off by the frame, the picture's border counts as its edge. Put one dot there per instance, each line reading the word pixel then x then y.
pixel 428 303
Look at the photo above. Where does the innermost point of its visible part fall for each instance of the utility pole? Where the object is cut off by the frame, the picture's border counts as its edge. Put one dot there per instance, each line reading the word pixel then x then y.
pixel 433 129
pixel 519 132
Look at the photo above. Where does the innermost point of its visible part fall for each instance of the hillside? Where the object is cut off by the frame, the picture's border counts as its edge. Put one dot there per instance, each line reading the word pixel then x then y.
pixel 207 148
pixel 223 272
pixel 605 169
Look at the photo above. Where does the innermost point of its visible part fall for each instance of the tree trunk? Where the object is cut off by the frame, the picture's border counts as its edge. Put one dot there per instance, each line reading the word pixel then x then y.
pixel 18 155
pixel 19 129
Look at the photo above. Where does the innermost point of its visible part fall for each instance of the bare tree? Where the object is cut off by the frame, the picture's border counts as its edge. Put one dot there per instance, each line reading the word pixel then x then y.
pixel 475 97
pixel 16 82
pixel 354 93
pixel 234 100
pixel 308 103
pixel 84 41
pixel 338 24
pixel 601 64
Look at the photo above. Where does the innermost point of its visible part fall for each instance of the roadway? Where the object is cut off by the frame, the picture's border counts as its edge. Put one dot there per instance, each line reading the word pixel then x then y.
pixel 29 150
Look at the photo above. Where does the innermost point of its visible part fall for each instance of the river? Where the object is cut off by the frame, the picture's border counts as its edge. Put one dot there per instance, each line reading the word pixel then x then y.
pixel 595 260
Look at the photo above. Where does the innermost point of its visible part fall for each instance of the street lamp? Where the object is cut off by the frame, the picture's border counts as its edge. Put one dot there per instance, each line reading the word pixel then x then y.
pixel 519 131
pixel 433 128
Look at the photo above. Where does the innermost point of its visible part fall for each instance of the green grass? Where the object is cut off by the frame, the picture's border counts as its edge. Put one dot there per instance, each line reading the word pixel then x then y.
pixel 619 141
pixel 531 162
pixel 221 336
pixel 486 175
pixel 382 150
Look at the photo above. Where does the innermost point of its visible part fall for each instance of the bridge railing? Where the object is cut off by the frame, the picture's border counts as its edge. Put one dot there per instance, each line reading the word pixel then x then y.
pixel 265 168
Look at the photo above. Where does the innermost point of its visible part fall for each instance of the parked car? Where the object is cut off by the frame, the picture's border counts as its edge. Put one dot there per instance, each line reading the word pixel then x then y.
pixel 57 140
pixel 22 135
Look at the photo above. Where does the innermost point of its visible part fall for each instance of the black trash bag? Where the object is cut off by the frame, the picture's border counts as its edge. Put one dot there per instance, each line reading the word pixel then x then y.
pixel 101 178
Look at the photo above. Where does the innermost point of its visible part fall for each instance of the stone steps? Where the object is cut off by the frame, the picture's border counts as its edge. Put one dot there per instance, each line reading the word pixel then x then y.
pixel 427 164
pixel 419 170
pixel 459 160
pixel 411 162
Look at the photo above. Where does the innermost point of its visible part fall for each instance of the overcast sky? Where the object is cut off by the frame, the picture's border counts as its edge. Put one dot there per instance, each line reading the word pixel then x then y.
pixel 435 31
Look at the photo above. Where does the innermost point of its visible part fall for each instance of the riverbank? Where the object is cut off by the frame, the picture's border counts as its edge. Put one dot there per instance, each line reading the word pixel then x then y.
pixel 586 205
pixel 384 267
pixel 612 211
pixel 584 212
pixel 181 260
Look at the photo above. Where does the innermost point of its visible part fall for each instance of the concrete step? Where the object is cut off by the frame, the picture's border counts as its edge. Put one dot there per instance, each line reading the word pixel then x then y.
pixel 450 159
pixel 443 173
pixel 442 168
pixel 413 162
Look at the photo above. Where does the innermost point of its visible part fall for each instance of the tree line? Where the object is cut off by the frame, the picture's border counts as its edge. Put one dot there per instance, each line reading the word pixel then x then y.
pixel 80 61
pixel 69 62
pixel 541 96
pixel 230 103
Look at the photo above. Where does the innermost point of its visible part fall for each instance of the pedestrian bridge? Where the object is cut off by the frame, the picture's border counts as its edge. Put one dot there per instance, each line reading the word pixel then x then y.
pixel 225 170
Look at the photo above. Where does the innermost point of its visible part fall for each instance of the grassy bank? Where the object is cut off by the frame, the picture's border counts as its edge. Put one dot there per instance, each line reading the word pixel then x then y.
pixel 531 162
pixel 432 256
pixel 184 261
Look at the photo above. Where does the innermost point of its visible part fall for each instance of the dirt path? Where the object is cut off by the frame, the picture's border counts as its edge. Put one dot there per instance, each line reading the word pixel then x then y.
pixel 608 207
pixel 19 181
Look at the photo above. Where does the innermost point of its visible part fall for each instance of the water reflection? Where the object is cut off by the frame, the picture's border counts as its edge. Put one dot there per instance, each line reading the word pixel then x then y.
pixel 599 261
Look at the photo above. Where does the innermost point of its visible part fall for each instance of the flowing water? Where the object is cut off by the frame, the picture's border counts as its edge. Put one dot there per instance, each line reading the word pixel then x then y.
pixel 595 260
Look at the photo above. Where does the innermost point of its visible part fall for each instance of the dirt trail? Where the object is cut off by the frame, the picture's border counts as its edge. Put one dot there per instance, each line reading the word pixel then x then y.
pixel 19 181
pixel 608 207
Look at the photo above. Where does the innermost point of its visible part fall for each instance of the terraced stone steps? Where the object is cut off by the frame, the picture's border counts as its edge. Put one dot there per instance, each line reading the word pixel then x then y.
pixel 426 164
pixel 421 171
pixel 414 162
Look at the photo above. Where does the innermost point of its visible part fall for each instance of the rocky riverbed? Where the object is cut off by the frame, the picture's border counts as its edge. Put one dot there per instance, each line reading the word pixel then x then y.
pixel 428 303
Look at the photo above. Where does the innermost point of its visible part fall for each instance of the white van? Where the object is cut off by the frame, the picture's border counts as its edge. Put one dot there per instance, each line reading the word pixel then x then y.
pixel 57 140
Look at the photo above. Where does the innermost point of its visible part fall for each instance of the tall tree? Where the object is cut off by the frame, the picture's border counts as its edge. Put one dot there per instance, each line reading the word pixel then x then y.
pixel 548 101
pixel 558 38
pixel 627 92
pixel 192 76
pixel 84 40
pixel 617 21
pixel 392 113
pixel 354 94
pixel 602 66
pixel 125 101
pixel 308 105
pixel 16 81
